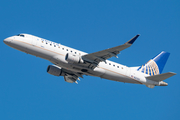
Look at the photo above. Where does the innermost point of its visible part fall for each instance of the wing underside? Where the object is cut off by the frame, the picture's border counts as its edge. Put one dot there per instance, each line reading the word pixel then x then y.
pixel 71 76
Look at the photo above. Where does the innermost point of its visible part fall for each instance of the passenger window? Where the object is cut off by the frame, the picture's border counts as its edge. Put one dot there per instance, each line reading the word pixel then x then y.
pixel 109 63
pixel 75 52
pixel 67 49
pixel 54 45
pixel 62 48
pixel 114 65
pixel 117 66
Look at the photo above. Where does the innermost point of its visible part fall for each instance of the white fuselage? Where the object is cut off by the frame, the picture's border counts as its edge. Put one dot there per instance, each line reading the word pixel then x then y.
pixel 56 53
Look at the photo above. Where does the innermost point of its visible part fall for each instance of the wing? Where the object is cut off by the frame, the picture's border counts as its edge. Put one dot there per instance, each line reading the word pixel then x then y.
pixel 95 58
pixel 71 76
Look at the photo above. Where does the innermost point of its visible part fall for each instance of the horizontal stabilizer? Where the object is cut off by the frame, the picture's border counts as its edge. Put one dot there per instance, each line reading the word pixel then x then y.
pixel 161 77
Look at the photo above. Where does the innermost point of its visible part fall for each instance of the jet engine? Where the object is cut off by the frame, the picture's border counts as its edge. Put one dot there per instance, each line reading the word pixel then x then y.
pixel 71 58
pixel 55 70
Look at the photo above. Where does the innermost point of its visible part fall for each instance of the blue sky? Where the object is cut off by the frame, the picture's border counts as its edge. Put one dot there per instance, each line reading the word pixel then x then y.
pixel 27 92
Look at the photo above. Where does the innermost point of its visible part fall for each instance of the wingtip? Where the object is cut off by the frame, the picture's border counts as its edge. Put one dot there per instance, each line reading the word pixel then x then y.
pixel 173 73
pixel 133 39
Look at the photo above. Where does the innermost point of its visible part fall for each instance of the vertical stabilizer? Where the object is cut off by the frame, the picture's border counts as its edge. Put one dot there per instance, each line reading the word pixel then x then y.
pixel 155 65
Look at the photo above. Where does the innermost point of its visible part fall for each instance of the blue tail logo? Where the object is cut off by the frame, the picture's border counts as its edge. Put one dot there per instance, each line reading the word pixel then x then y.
pixel 155 65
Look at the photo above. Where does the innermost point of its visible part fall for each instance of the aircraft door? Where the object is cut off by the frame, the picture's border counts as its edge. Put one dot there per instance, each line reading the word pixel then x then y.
pixel 33 41
pixel 128 71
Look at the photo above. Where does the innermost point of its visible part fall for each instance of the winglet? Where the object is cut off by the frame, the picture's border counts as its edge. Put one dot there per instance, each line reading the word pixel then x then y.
pixel 132 40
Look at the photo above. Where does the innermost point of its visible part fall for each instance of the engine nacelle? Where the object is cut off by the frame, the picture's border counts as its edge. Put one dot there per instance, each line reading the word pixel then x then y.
pixel 73 58
pixel 55 70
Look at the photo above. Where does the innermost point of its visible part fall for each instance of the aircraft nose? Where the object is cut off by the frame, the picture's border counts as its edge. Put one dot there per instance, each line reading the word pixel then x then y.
pixel 6 41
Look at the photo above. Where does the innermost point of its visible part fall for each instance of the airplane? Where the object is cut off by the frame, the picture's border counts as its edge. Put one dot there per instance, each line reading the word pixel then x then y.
pixel 72 64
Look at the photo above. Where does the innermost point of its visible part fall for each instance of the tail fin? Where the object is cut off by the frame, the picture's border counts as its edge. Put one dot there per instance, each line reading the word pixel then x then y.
pixel 155 65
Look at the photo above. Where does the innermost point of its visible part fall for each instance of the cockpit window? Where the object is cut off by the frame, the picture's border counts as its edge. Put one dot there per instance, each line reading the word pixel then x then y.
pixel 20 35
